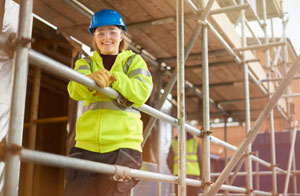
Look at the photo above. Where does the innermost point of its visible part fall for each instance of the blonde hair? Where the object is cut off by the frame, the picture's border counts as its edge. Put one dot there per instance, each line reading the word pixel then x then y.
pixel 122 46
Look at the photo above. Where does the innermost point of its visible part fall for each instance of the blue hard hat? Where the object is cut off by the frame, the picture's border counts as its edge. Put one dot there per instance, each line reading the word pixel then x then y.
pixel 106 17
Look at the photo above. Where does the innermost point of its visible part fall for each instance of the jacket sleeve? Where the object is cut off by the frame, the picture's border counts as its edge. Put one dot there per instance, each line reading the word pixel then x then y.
pixel 137 85
pixel 76 90
pixel 199 153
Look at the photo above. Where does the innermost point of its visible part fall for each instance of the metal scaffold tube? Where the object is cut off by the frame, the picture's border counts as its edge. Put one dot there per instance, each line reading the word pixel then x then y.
pixel 272 135
pixel 17 110
pixel 289 166
pixel 285 68
pixel 255 173
pixel 248 162
pixel 237 169
pixel 49 159
pixel 180 99
pixel 206 110
pixel 173 77
pixel 252 133
pixel 57 68
pixel 261 46
pixel 2 8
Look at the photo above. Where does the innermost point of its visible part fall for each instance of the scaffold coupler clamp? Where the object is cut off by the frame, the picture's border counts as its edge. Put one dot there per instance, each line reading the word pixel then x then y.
pixel 202 22
pixel 123 103
pixel 204 133
pixel 248 154
pixel 249 191
pixel 122 174
pixel 273 165
pixel 13 41
pixel 205 183
pixel 13 149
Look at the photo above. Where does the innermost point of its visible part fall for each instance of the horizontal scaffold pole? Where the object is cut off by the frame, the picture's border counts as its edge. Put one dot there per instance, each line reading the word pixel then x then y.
pixel 172 19
pixel 59 69
pixel 49 159
pixel 261 46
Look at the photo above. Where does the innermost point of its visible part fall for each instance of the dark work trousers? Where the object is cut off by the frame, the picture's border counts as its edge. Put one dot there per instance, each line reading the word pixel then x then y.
pixel 84 183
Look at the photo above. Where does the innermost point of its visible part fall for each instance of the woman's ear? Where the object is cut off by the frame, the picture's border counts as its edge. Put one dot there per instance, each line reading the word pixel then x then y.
pixel 122 35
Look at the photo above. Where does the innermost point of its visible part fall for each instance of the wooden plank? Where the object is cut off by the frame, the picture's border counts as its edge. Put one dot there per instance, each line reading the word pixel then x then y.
pixel 32 128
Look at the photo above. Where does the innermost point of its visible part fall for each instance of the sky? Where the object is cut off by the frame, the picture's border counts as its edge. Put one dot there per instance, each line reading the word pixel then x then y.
pixel 293 28
pixel 292 7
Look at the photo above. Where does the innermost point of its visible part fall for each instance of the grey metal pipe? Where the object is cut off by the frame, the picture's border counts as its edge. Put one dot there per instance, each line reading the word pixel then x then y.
pixel 256 173
pixel 248 162
pixel 224 43
pixel 173 77
pixel 252 133
pixel 285 67
pixel 252 32
pixel 59 69
pixel 256 16
pixel 17 110
pixel 257 82
pixel 172 19
pixel 292 148
pixel 161 102
pixel 2 8
pixel 222 102
pixel 229 9
pixel 181 99
pixel 294 176
pixel 206 108
pixel 192 6
pixel 262 46
pixel 236 172
pixel 257 178
pixel 68 162
pixel 272 135
pixel 233 177
pixel 277 54
pixel 278 79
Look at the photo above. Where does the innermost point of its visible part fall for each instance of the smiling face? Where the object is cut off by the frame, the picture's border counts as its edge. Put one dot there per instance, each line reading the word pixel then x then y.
pixel 108 39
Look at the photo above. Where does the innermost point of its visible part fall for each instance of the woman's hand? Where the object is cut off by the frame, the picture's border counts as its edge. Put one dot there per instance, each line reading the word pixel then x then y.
pixel 103 78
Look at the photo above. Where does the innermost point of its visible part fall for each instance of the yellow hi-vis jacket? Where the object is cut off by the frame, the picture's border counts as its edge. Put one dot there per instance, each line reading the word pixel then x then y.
pixel 104 126
pixel 191 164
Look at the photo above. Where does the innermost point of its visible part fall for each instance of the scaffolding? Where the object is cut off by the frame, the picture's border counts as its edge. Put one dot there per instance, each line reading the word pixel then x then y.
pixel 23 55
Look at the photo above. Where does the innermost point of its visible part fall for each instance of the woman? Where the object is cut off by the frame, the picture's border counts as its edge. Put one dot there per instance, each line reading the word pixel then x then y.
pixel 108 131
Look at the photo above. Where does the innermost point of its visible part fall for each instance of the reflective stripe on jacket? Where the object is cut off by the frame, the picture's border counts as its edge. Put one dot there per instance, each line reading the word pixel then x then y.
pixel 191 164
pixel 105 127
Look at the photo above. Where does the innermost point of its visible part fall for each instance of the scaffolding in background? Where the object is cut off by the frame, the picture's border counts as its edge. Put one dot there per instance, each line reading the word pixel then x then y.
pixel 23 55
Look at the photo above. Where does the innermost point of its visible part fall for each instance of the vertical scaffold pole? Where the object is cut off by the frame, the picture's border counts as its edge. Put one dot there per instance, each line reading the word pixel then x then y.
pixel 16 120
pixel 285 68
pixel 206 118
pixel 289 166
pixel 180 98
pixel 2 8
pixel 268 65
pixel 248 161
pixel 257 172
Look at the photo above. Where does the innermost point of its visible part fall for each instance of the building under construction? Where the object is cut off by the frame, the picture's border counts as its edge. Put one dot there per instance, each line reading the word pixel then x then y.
pixel 214 76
